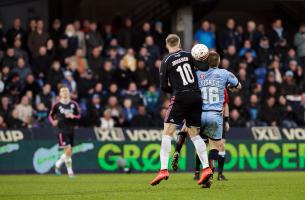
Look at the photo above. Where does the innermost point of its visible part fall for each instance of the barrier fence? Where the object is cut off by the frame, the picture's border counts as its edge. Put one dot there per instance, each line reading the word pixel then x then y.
pixel 97 150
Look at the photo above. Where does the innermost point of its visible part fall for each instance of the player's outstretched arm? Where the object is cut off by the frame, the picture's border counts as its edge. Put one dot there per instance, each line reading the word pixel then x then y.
pixel 165 87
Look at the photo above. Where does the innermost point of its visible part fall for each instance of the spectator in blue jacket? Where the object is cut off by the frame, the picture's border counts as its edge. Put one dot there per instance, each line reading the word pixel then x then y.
pixel 205 36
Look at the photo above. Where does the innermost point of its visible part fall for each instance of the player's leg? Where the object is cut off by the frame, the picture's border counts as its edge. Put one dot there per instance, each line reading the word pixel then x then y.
pixel 62 158
pixel 181 136
pixel 213 153
pixel 169 130
pixel 197 160
pixel 68 160
pixel 221 160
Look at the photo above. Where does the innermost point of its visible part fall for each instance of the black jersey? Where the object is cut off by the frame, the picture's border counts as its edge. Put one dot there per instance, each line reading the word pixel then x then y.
pixel 177 73
pixel 59 112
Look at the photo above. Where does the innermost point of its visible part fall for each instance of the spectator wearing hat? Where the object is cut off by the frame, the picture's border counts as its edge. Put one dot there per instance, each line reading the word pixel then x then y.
pixel 289 87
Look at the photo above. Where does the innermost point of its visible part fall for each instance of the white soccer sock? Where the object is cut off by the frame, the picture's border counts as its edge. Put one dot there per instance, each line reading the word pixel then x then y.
pixel 68 163
pixel 165 151
pixel 60 161
pixel 201 150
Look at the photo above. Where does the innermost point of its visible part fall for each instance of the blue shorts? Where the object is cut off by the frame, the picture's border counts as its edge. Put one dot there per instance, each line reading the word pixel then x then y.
pixel 212 124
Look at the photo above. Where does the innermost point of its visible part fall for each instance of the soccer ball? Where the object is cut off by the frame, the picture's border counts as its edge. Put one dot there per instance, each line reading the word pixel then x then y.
pixel 200 52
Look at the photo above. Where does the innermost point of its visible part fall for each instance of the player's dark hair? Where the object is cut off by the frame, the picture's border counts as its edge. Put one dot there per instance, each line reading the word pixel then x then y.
pixel 172 40
pixel 213 59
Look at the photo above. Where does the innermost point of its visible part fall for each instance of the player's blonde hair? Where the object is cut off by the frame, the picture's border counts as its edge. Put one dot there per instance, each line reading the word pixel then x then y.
pixel 172 40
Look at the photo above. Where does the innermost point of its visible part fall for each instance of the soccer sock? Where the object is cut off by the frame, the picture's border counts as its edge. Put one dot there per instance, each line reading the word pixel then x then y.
pixel 221 161
pixel 165 151
pixel 181 139
pixel 201 150
pixel 60 161
pixel 213 156
pixel 197 167
pixel 68 163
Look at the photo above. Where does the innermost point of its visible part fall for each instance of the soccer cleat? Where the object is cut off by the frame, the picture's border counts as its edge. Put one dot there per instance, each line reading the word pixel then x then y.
pixel 162 175
pixel 207 183
pixel 197 175
pixel 206 174
pixel 71 175
pixel 57 171
pixel 221 177
pixel 175 161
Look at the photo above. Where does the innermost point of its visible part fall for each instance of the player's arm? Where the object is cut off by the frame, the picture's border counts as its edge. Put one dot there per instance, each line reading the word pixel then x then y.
pixel 226 113
pixel 165 87
pixel 53 111
pixel 233 84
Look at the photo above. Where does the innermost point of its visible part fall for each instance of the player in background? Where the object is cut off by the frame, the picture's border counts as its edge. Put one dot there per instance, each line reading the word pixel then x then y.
pixel 64 115
pixel 177 76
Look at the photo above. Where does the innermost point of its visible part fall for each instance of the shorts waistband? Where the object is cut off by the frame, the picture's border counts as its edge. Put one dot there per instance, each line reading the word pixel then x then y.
pixel 212 111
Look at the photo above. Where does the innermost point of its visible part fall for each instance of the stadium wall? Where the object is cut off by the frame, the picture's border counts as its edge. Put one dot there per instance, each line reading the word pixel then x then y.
pixel 97 150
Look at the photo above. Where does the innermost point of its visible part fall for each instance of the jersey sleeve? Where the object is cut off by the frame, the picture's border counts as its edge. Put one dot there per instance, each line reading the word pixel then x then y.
pixel 53 112
pixel 231 78
pixel 76 111
pixel 165 87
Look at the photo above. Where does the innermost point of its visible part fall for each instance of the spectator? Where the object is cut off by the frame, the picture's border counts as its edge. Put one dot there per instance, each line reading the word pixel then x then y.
pixel 116 111
pixel 25 110
pixel 278 34
pixel 108 35
pixel 299 42
pixel 142 34
pixel 141 119
pixel 2 122
pixel 254 110
pixel 80 36
pixel 141 75
pixel 151 100
pixel 42 63
pixel 31 85
pixel 107 121
pixel 45 96
pixel 251 34
pixel 70 82
pixel 129 111
pixel 152 49
pixel 5 107
pixel 19 52
pixel 236 119
pixel 133 94
pixel 37 39
pixel 10 58
pixel 122 76
pixel 95 110
pixel 80 60
pixel 289 86
pixel 14 121
pixel 299 111
pixel 72 39
pixel 41 115
pixel 16 32
pixel 22 69
pixel 286 114
pixel 63 52
pixel 56 31
pixel 270 112
pixel 232 57
pixel 94 38
pixel 247 48
pixel 264 52
pixel 159 36
pixel 228 36
pixel 55 75
pixel 204 35
pixel 125 35
pixel 107 74
pixel 129 60
pixel 95 62
pixel 86 85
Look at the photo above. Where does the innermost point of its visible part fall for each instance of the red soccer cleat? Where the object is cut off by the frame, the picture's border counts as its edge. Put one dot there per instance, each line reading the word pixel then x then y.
pixel 162 175
pixel 206 174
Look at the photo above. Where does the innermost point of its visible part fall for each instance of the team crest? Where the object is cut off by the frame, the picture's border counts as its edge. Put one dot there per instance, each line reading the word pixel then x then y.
pixel 201 76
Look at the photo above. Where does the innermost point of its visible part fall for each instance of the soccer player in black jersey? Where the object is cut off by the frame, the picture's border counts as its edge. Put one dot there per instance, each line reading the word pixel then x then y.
pixel 64 115
pixel 177 77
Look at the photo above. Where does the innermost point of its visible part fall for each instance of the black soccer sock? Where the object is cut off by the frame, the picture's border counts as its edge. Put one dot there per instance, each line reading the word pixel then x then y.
pixel 213 156
pixel 221 161
pixel 197 163
pixel 180 141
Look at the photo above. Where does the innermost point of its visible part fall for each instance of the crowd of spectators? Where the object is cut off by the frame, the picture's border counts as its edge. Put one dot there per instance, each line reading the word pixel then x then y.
pixel 114 74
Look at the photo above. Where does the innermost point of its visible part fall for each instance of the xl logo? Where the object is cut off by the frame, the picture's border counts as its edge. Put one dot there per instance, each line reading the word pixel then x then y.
pixel 266 133
pixel 11 136
pixel 115 134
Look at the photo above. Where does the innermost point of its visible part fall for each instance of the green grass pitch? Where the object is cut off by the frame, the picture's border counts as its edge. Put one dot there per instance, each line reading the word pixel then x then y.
pixel 245 186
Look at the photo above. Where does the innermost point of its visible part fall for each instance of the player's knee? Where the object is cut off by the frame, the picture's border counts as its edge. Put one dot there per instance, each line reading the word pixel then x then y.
pixel 193 131
pixel 68 151
pixel 169 129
